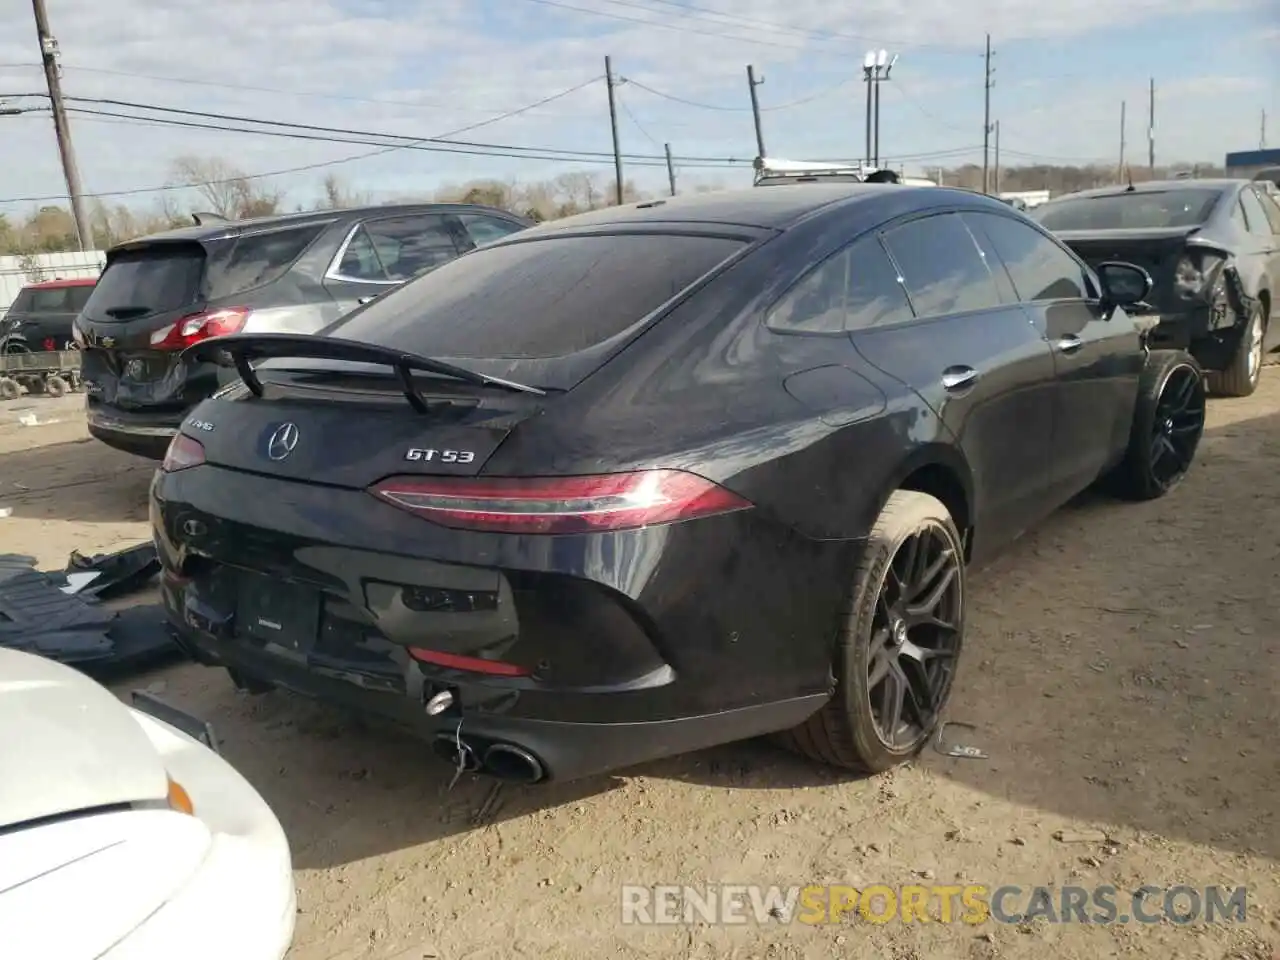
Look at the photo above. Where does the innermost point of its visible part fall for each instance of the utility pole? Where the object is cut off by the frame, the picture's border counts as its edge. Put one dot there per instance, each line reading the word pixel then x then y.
pixel 986 118
pixel 671 169
pixel 868 71
pixel 1262 135
pixel 61 128
pixel 997 172
pixel 1151 131
pixel 752 83
pixel 613 122
pixel 1120 169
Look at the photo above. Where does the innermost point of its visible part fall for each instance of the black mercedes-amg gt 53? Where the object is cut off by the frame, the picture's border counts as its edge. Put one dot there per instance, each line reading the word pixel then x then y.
pixel 665 475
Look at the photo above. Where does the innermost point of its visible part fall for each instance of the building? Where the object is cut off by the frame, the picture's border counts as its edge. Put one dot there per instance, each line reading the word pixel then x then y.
pixel 1247 163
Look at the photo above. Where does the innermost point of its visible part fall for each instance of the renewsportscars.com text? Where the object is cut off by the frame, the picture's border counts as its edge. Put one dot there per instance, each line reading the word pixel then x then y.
pixel 971 904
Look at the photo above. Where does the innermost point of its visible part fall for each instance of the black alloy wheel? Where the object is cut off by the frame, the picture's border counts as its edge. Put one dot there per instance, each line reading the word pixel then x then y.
pixel 1177 426
pixel 898 642
pixel 915 639
pixel 1168 422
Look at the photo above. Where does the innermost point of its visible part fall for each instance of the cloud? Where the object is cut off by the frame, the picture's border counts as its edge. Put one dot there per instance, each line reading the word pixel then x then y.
pixel 429 68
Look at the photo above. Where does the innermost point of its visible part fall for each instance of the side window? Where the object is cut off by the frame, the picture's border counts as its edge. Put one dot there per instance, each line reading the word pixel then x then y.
pixel 1038 267
pixel 484 230
pixel 1270 208
pixel 941 266
pixel 259 258
pixel 1255 214
pixel 360 261
pixel 48 300
pixel 852 290
pixel 408 247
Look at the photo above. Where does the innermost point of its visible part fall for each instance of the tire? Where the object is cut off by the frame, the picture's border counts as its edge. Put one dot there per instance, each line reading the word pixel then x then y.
pixel 9 389
pixel 14 343
pixel 55 386
pixel 845 732
pixel 1171 405
pixel 1240 378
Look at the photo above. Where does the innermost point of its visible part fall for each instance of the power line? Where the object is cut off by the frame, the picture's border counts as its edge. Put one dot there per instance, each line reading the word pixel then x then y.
pixel 323 164
pixel 638 125
pixel 808 98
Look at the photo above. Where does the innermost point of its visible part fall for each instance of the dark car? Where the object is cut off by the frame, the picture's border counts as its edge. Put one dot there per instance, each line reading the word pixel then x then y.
pixel 160 294
pixel 1213 249
pixel 41 316
pixel 664 475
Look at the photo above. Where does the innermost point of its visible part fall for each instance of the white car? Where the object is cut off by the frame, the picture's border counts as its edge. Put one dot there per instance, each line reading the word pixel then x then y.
pixel 123 837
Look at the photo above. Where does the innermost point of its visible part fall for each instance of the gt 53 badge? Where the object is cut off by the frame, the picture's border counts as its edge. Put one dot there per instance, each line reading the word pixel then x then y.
pixel 443 456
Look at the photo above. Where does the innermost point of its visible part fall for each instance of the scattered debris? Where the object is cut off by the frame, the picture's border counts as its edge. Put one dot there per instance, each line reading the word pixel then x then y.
pixel 957 750
pixel 1080 836
pixel 57 614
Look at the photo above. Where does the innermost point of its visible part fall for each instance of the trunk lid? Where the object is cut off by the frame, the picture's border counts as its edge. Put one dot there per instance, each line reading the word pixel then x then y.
pixel 144 290
pixel 352 427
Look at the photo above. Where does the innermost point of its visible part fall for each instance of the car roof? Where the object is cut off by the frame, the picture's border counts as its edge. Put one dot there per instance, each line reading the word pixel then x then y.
pixel 229 228
pixel 776 208
pixel 58 284
pixel 1154 186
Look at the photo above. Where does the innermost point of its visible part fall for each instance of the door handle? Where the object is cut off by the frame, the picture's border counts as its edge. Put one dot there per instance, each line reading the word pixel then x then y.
pixel 1069 343
pixel 363 300
pixel 955 379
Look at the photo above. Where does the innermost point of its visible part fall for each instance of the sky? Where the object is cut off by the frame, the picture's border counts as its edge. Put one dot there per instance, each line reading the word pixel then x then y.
pixel 432 68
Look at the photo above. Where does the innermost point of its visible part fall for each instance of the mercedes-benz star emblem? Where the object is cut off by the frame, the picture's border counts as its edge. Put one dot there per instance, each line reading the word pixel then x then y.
pixel 282 441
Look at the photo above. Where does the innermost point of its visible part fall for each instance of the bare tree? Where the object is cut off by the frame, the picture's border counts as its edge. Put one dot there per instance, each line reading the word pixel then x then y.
pixel 337 196
pixel 227 190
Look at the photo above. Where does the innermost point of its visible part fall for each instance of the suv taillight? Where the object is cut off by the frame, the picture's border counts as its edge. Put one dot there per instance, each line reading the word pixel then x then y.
pixel 198 327
pixel 596 504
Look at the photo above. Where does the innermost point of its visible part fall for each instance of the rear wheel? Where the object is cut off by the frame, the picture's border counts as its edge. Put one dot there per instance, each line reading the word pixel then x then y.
pixel 9 389
pixel 1168 422
pixel 1241 377
pixel 55 386
pixel 898 644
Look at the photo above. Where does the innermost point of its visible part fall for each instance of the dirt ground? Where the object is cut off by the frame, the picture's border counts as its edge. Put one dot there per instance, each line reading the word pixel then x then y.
pixel 1121 674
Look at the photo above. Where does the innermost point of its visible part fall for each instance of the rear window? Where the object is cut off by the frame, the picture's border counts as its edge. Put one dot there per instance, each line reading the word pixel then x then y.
pixel 258 259
pixel 52 299
pixel 538 299
pixel 1140 210
pixel 155 279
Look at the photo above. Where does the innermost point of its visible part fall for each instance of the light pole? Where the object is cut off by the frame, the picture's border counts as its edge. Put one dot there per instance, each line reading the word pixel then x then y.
pixel 876 67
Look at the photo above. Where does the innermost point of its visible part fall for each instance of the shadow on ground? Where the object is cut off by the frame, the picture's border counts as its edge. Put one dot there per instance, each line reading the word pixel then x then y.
pixel 1121 669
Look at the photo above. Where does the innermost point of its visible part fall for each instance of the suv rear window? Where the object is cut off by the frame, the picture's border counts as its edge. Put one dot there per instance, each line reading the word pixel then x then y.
pixel 537 299
pixel 155 279
pixel 1140 210
pixel 258 259
pixel 52 299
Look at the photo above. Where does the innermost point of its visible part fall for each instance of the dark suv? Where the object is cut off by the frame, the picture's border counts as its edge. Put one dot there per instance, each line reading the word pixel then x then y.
pixel 292 274
pixel 41 316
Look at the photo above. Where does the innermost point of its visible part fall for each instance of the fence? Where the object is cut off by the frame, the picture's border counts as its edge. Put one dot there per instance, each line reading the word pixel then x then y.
pixel 17 272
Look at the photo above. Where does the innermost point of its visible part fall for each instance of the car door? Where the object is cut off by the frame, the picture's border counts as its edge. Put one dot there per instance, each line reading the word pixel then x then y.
pixel 1267 234
pixel 978 363
pixel 381 254
pixel 1097 352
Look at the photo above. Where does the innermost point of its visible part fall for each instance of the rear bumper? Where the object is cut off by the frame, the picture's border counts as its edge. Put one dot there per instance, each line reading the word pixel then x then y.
pixel 139 433
pixel 1206 331
pixel 634 645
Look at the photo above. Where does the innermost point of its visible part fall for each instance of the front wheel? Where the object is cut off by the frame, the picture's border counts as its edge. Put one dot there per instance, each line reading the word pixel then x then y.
pixel 1168 422
pixel 898 642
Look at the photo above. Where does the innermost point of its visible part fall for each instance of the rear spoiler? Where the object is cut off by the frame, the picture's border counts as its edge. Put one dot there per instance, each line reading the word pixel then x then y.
pixel 238 349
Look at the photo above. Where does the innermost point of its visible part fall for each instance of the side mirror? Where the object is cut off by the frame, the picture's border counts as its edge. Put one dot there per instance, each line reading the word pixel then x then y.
pixel 1123 284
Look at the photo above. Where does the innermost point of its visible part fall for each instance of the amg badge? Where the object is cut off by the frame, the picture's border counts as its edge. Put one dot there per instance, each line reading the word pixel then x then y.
pixel 442 456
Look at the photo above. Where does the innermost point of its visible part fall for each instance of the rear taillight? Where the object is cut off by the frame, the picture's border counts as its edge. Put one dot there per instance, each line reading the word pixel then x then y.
pixel 183 452
pixel 620 501
pixel 1196 272
pixel 198 327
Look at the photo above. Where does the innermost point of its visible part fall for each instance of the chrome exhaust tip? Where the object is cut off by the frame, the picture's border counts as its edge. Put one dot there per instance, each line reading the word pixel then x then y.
pixel 506 761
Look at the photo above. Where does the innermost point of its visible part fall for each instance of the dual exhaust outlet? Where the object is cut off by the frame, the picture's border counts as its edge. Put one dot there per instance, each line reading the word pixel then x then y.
pixel 504 761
